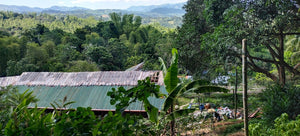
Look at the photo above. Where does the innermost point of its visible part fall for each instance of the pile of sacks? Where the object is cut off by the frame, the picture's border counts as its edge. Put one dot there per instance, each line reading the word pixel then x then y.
pixel 219 113
pixel 225 112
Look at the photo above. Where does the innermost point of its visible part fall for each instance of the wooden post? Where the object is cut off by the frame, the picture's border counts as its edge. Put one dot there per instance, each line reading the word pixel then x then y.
pixel 245 97
pixel 235 92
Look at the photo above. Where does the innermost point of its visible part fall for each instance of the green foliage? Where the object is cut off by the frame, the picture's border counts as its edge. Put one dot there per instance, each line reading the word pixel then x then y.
pixel 197 86
pixel 27 21
pixel 262 79
pixel 79 66
pixel 194 57
pixel 171 80
pixel 81 121
pixel 180 113
pixel 29 121
pixel 214 10
pixel 11 97
pixel 176 89
pixel 116 124
pixel 9 51
pixel 292 51
pixel 212 31
pixel 277 100
pixel 141 92
pixel 233 128
pixel 18 119
pixel 282 126
pixel 112 45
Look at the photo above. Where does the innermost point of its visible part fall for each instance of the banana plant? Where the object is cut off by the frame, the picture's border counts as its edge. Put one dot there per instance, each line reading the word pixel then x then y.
pixel 176 89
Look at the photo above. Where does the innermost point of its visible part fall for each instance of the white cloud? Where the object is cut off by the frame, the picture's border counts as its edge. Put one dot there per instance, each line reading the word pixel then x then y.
pixel 61 3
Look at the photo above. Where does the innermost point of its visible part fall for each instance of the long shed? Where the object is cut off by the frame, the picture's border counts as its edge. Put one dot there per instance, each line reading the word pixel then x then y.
pixel 87 89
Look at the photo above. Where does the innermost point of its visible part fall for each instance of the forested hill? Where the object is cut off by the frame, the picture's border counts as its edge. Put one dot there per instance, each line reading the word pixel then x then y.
pixel 168 15
pixel 31 42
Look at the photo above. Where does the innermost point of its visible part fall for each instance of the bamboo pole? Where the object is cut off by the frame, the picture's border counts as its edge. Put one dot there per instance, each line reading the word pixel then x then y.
pixel 245 97
pixel 235 92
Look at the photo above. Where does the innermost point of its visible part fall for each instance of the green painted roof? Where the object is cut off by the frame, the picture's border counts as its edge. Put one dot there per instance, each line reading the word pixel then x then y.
pixel 84 96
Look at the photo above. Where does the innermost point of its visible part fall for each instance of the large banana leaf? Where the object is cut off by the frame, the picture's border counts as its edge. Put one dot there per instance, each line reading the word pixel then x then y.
pixel 208 89
pixel 171 79
pixel 152 111
pixel 163 66
pixel 196 83
pixel 171 97
pixel 197 86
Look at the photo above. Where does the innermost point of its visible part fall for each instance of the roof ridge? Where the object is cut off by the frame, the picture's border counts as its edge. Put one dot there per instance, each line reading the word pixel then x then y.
pixel 98 78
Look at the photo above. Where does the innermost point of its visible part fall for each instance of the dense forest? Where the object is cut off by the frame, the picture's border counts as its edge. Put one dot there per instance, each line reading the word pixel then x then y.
pixel 31 42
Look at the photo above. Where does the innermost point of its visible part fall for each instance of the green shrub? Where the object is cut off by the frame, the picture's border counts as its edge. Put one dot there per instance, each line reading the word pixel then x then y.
pixel 233 128
pixel 262 79
pixel 10 102
pixel 81 121
pixel 25 121
pixel 277 100
pixel 282 127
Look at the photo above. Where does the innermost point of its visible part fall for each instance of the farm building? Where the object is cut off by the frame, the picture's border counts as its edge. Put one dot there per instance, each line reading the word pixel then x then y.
pixel 87 89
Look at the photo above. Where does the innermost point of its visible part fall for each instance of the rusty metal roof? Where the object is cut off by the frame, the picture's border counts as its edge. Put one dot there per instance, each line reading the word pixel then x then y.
pixel 110 78
pixel 6 81
pixel 84 96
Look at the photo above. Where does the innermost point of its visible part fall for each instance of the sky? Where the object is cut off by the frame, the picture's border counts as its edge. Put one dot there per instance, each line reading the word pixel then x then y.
pixel 92 4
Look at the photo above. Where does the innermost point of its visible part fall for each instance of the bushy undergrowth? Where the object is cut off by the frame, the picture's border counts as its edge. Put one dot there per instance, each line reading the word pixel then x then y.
pixel 233 128
pixel 277 100
pixel 283 126
pixel 281 112
pixel 17 119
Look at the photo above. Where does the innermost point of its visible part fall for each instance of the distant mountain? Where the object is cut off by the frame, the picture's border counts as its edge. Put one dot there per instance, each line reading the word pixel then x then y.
pixel 64 8
pixel 153 10
pixel 167 11
pixel 24 9
pixel 151 7
pixel 167 14
pixel 20 9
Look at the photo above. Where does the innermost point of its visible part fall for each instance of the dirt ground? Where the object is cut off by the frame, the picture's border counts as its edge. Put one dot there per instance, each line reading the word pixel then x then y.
pixel 218 129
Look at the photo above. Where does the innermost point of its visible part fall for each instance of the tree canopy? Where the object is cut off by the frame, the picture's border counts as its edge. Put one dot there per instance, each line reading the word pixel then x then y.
pixel 74 44
pixel 220 26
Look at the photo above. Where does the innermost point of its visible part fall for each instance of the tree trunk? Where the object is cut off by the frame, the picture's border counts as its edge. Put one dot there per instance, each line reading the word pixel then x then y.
pixel 281 70
pixel 172 125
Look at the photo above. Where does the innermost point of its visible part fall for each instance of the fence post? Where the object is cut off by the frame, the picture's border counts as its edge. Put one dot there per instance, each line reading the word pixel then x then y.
pixel 245 97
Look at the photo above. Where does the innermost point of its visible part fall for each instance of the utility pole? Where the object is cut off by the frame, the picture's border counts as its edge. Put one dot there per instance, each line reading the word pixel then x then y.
pixel 245 97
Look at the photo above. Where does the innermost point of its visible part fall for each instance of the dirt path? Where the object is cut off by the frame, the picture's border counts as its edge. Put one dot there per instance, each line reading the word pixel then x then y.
pixel 181 107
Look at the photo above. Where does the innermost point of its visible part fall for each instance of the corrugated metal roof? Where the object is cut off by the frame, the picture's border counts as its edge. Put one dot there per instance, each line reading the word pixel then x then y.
pixel 6 81
pixel 110 78
pixel 84 96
